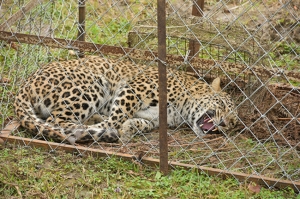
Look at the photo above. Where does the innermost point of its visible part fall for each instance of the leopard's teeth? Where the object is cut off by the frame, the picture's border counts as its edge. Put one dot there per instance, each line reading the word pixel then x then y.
pixel 209 121
pixel 215 129
pixel 201 125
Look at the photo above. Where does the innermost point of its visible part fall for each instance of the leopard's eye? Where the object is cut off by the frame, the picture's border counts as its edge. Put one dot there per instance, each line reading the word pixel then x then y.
pixel 231 123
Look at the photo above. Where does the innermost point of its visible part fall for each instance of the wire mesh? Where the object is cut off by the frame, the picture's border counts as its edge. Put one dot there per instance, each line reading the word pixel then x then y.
pixel 253 46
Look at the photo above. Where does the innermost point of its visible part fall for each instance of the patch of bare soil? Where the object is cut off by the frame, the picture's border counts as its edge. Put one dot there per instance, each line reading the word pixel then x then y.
pixel 271 113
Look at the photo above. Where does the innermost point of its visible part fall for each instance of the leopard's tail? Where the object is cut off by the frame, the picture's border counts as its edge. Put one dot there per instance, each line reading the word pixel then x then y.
pixel 29 120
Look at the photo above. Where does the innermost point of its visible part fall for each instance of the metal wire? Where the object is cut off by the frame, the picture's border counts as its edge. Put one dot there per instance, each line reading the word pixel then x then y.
pixel 250 35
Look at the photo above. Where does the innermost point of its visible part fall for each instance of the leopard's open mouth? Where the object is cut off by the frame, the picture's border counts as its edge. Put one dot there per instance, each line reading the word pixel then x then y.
pixel 206 122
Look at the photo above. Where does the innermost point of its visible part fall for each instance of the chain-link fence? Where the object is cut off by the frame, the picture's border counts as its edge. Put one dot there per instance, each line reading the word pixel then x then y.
pixel 253 46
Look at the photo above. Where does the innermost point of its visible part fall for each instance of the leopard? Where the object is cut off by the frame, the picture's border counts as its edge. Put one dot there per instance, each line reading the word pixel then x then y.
pixel 100 99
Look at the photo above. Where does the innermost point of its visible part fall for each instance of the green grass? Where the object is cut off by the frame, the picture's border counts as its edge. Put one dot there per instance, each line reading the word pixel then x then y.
pixel 34 173
pixel 37 174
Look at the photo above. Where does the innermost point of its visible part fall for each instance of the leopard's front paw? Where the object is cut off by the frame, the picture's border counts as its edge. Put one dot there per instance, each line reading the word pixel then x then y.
pixel 124 139
pixel 110 135
pixel 98 134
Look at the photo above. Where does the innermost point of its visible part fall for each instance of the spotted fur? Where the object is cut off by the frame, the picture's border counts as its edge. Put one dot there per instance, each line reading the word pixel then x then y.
pixel 65 101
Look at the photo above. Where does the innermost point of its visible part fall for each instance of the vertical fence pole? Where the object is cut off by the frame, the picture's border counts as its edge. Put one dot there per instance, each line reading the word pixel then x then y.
pixel 194 46
pixel 162 77
pixel 81 23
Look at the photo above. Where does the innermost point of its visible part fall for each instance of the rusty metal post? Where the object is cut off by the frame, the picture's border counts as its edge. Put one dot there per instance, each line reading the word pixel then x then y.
pixel 195 10
pixel 194 46
pixel 81 24
pixel 162 77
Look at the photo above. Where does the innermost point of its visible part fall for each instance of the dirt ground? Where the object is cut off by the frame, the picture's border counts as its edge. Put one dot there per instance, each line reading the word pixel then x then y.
pixel 273 115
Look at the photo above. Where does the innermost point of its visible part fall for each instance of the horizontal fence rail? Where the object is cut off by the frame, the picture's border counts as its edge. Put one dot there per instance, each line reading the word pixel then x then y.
pixel 249 50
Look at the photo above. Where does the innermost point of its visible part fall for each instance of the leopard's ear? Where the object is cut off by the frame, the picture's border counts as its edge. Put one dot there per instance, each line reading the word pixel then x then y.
pixel 216 85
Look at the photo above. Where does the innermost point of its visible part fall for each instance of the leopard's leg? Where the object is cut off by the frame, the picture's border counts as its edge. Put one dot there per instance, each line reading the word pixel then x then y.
pixel 136 126
pixel 121 110
pixel 67 127
pixel 95 119
pixel 71 130
pixel 108 130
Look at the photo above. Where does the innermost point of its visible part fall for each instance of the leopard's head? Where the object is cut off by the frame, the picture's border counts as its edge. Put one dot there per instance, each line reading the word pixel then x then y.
pixel 216 112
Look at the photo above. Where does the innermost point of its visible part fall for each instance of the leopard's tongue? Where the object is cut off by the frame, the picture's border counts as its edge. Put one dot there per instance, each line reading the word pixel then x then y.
pixel 207 126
